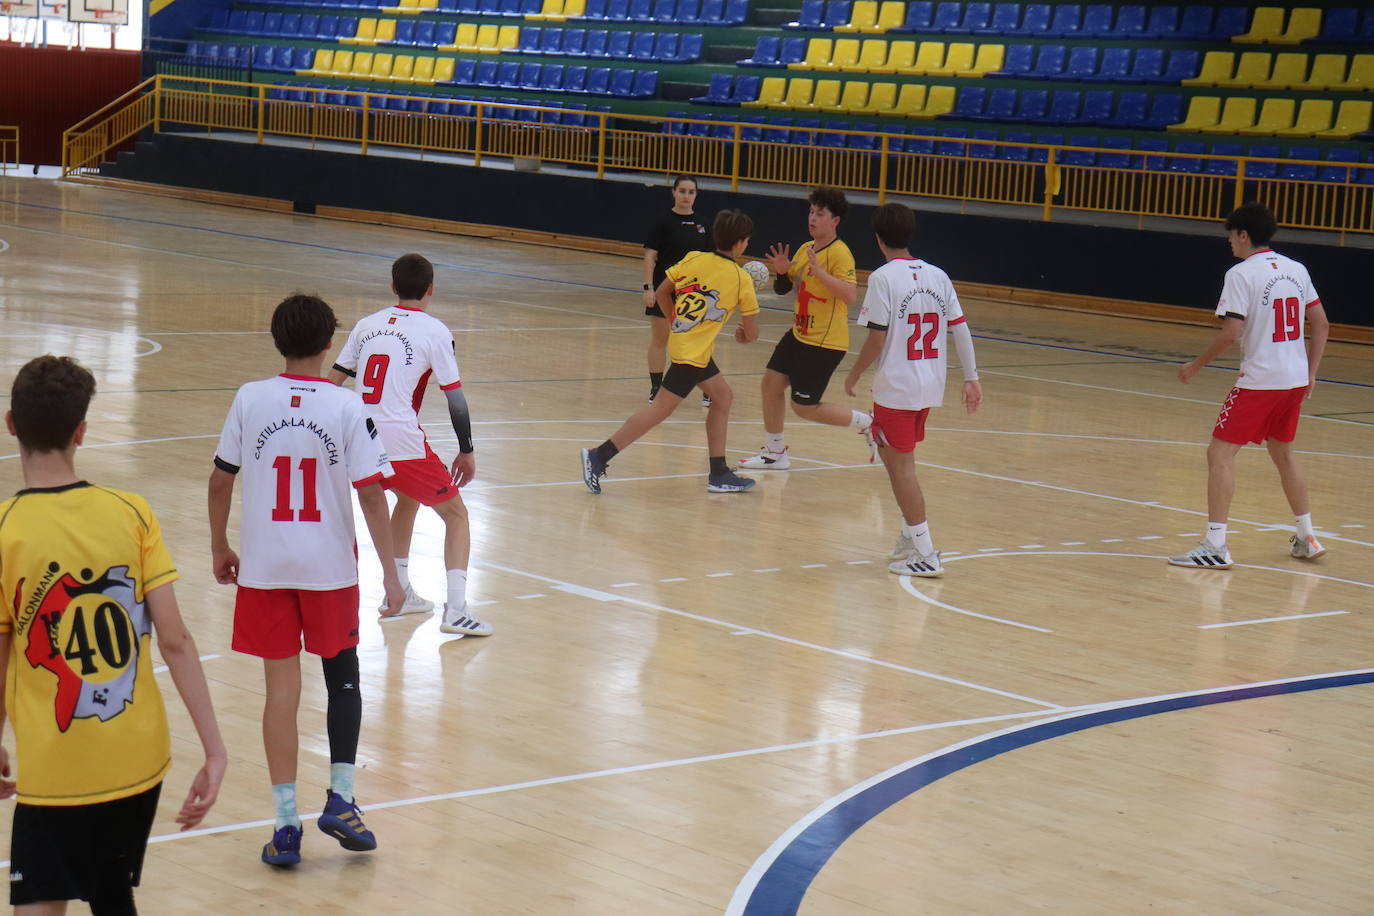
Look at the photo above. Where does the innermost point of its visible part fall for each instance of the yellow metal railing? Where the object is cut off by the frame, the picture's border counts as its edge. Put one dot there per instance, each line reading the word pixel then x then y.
pixel 9 148
pixel 1050 178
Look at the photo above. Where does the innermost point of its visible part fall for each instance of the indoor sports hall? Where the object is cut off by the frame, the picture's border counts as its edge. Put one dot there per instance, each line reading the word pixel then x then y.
pixel 699 703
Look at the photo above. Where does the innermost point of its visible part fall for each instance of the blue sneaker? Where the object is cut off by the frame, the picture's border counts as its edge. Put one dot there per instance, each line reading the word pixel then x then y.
pixel 729 482
pixel 285 848
pixel 593 469
pixel 344 822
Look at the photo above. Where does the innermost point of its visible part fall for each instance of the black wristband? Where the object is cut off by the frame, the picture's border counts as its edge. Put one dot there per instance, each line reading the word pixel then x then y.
pixel 648 286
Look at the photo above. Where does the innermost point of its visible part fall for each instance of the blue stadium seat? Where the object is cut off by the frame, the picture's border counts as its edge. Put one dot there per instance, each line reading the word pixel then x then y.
pixel 1006 19
pixel 777 130
pixel 252 22
pixel 575 42
pixel 665 11
pixel 1097 21
pixel 1064 108
pixel 238 21
pixel 595 9
pixel 1130 23
pixel 1009 152
pixel 1032 106
pixel 1165 110
pixel 575 115
pixel 195 49
pixel 489 7
pixel 717 90
pixel 464 73
pixel 531 77
pixel 753 133
pixel 724 129
pixel 1263 169
pixel 514 9
pixel 617 11
pixel 918 17
pixel 1097 106
pixel 1121 160
pixel 1184 64
pixel 1050 63
pixel 1041 155
pixel 426 34
pixel 1067 21
pixel 290 25
pixel 1339 26
pixel 598 81
pixel 265 57
pixel 969 104
pixel 1300 171
pixel 766 51
pixel 689 49
pixel 713 11
pixel 1163 23
pixel 328 28
pixel 598 42
pixel 922 142
pixel 641 10
pixel 1153 163
pixel 1018 62
pixel 405 32
pixel 793 51
pixel 946 17
pixel 746 89
pixel 1146 67
pixel 736 12
pixel 575 80
pixel 697 129
pixel 672 123
pixel 688 11
pixel 860 141
pixel 553 78
pixel 304 59
pixel 1115 66
pixel 1185 164
pixel 310 26
pixel 837 12
pixel 508 75
pixel 271 24
pixel 665 47
pixel 951 146
pixel 486 73
pixel 619 48
pixel 829 138
pixel 1230 22
pixel 977 15
pixel 1001 106
pixel 1036 21
pixel 1223 166
pixel 531 38
pixel 645 85
pixel 805 133
pixel 219 21
pixel 642 46
pixel 1078 156
pixel 1082 65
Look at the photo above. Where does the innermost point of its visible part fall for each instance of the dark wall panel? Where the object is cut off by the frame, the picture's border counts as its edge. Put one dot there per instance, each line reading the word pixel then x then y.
pixel 46 90
pixel 1159 267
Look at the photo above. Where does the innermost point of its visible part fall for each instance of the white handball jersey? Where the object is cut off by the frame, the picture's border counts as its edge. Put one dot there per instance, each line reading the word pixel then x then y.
pixel 299 443
pixel 1272 294
pixel 917 304
pixel 398 349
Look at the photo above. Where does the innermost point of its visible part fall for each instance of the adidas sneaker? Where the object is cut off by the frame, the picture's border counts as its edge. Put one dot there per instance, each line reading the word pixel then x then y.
pixel 1204 556
pixel 463 623
pixel 925 566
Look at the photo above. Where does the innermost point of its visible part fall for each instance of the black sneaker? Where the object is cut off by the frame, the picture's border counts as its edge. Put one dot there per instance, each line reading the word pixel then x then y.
pixel 729 482
pixel 593 469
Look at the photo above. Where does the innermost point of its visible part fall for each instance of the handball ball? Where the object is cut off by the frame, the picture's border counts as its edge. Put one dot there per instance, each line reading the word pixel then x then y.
pixel 760 272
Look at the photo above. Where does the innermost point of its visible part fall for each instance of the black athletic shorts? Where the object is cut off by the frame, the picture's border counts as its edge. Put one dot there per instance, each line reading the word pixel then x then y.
pixel 681 378
pixel 81 852
pixel 808 369
pixel 655 311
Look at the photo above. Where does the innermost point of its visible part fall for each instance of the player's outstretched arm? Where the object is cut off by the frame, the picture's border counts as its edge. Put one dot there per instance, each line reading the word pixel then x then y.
pixel 1321 329
pixel 179 652
pixel 224 562
pixel 7 783
pixel 873 345
pixel 843 290
pixel 372 500
pixel 780 260
pixel 1225 338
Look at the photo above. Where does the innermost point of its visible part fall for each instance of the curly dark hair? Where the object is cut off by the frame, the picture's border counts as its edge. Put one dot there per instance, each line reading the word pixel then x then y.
pixel 303 326
pixel 48 400
pixel 832 199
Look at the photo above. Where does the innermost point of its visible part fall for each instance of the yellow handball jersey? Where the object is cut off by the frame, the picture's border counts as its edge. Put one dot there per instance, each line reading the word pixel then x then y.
pixel 75 565
pixel 820 319
pixel 707 288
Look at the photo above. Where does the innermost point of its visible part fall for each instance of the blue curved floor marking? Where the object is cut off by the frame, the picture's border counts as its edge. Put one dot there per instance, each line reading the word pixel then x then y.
pixel 780 888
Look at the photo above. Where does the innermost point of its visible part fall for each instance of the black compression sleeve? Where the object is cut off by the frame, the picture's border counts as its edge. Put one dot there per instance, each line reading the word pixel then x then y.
pixel 348 372
pixel 782 284
pixel 462 422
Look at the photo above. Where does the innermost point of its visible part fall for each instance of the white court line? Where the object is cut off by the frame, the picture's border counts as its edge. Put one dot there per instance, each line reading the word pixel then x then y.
pixel 1097 438
pixel 1244 623
pixel 4 246
pixel 910 586
pixel 26 335
pixel 1157 557
pixel 590 327
pixel 598 595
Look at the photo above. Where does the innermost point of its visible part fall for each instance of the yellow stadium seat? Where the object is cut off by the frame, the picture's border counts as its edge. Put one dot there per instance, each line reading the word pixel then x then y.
pixel 1354 118
pixel 1217 67
pixel 343 63
pixel 382 65
pixel 1290 72
pixel 929 56
pixel 911 101
pixel 1275 115
pixel 1303 23
pixel 404 69
pixel 818 52
pixel 770 93
pixel 362 64
pixel 854 97
pixel 1314 116
pixel 574 9
pixel 507 39
pixel 901 56
pixel 826 96
pixel 553 9
pixel 405 6
pixel 1253 68
pixel 485 43
pixel 1203 111
pixel 798 94
pixel 863 16
pixel 958 61
pixel 872 57
pixel 882 99
pixel 1236 115
pixel 1327 70
pixel 1361 76
pixel 366 34
pixel 845 55
pixel 891 14
pixel 939 100
pixel 1266 24
pixel 427 5
pixel 990 58
pixel 443 70
pixel 324 64
pixel 465 39
pixel 386 30
pixel 423 71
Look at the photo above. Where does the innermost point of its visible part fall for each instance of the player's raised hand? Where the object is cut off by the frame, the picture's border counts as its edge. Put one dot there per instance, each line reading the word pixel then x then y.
pixel 204 791
pixel 973 396
pixel 7 785
pixel 226 566
pixel 779 258
pixel 464 469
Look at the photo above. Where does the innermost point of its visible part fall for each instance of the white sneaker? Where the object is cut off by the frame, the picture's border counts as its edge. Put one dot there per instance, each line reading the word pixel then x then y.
pixel 414 604
pixel 1308 548
pixel 1204 556
pixel 705 400
pixel 767 461
pixel 867 433
pixel 463 622
pixel 904 547
pixel 927 567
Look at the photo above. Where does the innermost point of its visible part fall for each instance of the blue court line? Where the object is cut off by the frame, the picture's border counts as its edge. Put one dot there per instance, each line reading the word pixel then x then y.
pixel 617 289
pixel 780 888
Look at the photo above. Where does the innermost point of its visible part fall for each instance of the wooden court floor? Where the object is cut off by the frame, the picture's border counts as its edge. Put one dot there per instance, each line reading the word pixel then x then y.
pixel 701 703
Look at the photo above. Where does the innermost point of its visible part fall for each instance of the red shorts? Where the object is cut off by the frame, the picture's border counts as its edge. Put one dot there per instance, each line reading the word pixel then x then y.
pixel 899 430
pixel 425 480
pixel 1256 414
pixel 269 622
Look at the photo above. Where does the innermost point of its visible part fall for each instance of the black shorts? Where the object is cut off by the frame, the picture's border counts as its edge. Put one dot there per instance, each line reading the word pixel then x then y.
pixel 681 378
pixel 655 312
pixel 808 369
pixel 80 852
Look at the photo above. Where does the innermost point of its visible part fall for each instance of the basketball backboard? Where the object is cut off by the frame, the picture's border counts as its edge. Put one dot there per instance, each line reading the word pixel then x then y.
pixel 103 12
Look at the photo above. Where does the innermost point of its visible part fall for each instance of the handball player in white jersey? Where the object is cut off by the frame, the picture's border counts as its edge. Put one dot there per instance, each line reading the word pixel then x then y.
pixel 392 354
pixel 1265 302
pixel 910 309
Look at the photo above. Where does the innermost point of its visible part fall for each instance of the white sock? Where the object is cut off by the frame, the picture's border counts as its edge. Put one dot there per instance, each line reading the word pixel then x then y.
pixel 284 798
pixel 775 442
pixel 1304 523
pixel 457 589
pixel 861 420
pixel 1216 534
pixel 341 780
pixel 403 571
pixel 920 536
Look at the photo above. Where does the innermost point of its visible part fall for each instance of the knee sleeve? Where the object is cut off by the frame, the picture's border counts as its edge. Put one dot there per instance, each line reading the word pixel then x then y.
pixel 345 712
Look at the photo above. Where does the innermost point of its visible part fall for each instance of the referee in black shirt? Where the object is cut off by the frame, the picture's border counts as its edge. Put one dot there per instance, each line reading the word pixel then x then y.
pixel 671 237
